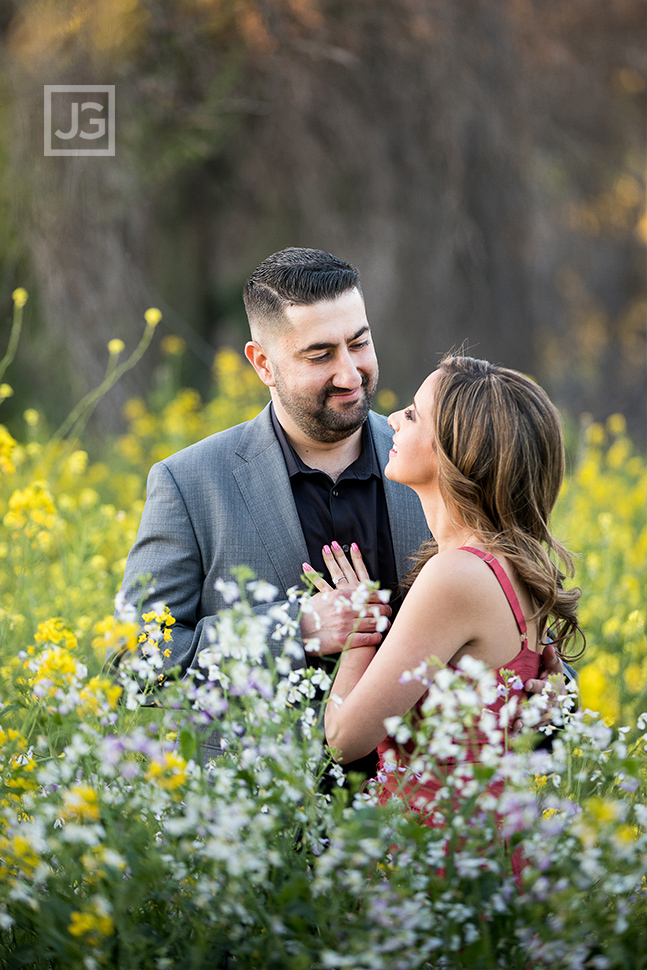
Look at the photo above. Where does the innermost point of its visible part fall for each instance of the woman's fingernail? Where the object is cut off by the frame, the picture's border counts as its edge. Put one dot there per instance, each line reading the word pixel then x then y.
pixel 354 547
pixel 307 568
pixel 327 550
pixel 336 545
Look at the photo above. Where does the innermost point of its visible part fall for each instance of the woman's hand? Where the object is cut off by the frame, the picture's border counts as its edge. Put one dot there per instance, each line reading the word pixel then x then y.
pixel 340 569
pixel 339 624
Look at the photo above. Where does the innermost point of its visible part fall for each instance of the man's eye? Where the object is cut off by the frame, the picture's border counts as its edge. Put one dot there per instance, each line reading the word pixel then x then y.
pixel 317 360
pixel 359 346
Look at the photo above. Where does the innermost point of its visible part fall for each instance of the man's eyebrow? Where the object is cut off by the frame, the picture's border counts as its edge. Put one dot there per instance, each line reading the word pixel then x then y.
pixel 327 344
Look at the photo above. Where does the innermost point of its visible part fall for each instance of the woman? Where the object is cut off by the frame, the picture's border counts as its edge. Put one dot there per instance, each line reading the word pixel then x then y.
pixel 482 447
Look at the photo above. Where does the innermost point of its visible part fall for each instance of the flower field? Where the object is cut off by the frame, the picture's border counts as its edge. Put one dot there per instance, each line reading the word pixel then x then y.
pixel 118 849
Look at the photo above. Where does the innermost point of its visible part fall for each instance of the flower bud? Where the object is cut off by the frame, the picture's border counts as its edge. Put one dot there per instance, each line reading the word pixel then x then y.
pixel 153 316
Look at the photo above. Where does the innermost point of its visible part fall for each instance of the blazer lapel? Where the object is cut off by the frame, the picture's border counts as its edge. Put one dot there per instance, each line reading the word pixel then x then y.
pixel 263 480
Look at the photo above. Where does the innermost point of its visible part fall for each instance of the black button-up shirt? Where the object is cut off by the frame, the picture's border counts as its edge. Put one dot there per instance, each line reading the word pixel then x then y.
pixel 352 509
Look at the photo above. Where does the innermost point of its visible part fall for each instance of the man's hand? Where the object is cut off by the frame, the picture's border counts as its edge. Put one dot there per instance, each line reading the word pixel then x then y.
pixel 551 666
pixel 335 625
pixel 333 621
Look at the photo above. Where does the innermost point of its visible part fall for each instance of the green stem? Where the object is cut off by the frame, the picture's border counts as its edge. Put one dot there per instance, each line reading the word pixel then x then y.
pixel 79 416
pixel 14 337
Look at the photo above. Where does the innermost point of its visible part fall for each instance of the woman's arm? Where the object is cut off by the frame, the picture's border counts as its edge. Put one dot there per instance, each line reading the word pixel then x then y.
pixel 436 619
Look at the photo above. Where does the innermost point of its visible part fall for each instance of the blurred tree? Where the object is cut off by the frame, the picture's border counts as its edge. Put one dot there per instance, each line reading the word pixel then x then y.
pixel 482 162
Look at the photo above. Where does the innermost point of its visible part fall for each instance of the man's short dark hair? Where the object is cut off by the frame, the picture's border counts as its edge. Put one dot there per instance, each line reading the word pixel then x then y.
pixel 295 277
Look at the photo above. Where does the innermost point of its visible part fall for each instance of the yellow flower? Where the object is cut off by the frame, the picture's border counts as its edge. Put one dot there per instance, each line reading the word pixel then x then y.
pixel 595 434
pixel 19 853
pixel 7 446
pixel 31 511
pixel 20 297
pixel 598 693
pixel 81 803
pixel 616 424
pixel 31 416
pixel 153 316
pixel 634 625
pixel 634 678
pixel 99 696
pixel 602 810
pixel 55 669
pixel 170 772
pixel 92 923
pixel 624 835
pixel 53 631
pixel 88 498
pixel 77 463
pixel 115 346
pixel 5 391
pixel 115 636
pixel 133 409
pixel 172 345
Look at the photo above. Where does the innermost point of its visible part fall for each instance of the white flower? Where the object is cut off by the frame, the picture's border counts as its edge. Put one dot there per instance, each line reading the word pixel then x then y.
pixel 472 667
pixel 125 611
pixel 229 591
pixel 292 649
pixel 262 591
pixel 396 729
pixel 392 724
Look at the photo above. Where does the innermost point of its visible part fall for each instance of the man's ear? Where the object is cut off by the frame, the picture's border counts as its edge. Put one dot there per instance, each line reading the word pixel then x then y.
pixel 259 361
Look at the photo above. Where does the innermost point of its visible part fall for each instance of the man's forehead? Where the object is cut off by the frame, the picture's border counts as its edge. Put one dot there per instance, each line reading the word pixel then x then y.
pixel 326 324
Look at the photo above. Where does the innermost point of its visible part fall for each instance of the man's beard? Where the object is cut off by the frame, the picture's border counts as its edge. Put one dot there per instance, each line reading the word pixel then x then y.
pixel 321 422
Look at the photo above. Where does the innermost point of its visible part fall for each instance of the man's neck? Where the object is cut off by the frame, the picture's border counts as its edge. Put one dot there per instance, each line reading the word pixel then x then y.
pixel 331 457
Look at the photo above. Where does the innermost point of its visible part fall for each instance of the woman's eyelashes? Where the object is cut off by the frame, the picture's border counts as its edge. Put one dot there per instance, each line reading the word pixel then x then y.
pixel 408 413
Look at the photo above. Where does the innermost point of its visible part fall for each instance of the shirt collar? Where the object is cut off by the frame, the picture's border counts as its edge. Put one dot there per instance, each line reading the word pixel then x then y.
pixel 364 466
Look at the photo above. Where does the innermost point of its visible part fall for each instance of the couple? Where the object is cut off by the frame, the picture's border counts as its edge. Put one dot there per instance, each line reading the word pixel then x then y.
pixel 273 492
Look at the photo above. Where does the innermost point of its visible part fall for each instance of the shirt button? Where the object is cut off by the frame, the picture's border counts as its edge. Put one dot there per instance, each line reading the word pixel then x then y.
pixel 346 548
pixel 335 492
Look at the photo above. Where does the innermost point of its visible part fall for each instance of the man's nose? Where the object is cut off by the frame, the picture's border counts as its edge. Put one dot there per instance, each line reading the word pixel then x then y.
pixel 346 373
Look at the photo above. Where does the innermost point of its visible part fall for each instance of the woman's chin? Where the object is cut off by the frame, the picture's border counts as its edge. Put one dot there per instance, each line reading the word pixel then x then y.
pixel 390 472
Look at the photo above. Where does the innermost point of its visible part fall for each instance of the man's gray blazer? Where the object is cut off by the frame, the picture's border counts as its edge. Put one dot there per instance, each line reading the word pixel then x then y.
pixel 226 501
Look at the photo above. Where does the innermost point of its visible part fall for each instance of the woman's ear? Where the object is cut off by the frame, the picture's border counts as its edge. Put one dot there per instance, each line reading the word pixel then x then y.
pixel 260 362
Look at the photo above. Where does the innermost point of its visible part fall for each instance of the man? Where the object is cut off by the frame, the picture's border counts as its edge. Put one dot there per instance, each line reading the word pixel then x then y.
pixel 308 469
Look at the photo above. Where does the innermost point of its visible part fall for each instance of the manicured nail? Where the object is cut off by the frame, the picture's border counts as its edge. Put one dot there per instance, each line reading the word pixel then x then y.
pixel 307 568
pixel 327 550
pixel 336 545
pixel 354 547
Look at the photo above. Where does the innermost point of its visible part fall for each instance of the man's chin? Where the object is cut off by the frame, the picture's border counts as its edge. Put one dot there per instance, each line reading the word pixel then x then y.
pixel 350 415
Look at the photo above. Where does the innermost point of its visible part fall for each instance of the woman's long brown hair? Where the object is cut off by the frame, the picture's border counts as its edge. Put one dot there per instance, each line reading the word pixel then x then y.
pixel 500 451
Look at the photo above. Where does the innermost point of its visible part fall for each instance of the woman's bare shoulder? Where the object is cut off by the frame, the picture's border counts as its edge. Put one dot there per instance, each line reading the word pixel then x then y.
pixel 453 561
pixel 455 573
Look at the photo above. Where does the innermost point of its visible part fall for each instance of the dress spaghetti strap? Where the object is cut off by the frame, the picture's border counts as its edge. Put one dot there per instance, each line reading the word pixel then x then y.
pixel 506 586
